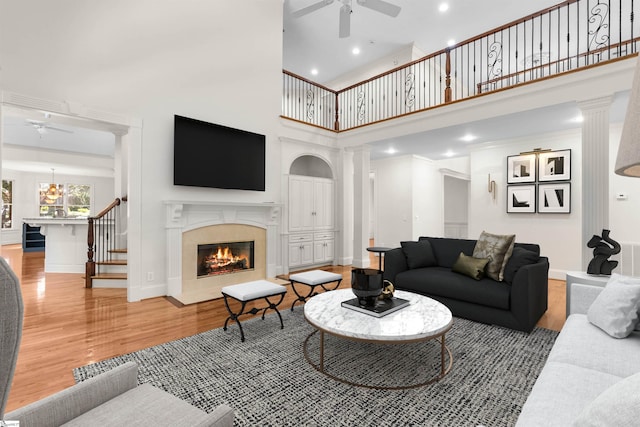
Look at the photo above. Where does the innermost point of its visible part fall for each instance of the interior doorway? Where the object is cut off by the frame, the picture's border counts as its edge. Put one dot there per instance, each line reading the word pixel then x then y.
pixel 456 207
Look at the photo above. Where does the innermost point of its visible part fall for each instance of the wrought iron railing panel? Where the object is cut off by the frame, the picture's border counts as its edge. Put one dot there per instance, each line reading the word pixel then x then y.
pixel 570 36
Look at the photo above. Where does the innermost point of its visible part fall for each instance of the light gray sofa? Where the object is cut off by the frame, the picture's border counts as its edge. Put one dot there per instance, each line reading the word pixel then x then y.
pixel 113 398
pixel 589 375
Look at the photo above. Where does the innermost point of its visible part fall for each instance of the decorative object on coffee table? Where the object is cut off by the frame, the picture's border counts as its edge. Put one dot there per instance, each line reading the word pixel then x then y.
pixel 387 290
pixel 366 284
pixel 603 247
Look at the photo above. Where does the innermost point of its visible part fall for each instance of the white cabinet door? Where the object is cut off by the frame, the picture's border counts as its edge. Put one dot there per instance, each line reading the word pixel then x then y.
pixel 301 201
pixel 323 204
pixel 300 254
pixel 323 251
pixel 306 253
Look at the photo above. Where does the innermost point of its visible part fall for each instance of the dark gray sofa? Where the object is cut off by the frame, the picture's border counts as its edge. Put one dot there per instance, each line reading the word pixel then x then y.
pixel 517 302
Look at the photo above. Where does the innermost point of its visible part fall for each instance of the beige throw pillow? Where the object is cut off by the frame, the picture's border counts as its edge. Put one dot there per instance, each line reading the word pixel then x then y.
pixel 498 249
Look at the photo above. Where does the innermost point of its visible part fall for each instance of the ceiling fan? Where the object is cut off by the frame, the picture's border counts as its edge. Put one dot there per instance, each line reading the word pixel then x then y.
pixel 42 127
pixel 345 11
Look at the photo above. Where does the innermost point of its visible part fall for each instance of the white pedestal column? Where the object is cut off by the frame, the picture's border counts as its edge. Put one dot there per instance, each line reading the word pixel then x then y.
pixel 595 171
pixel 361 168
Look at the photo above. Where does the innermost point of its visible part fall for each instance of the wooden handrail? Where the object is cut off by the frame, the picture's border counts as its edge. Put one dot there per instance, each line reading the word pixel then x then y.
pixel 106 210
pixel 90 265
pixel 560 61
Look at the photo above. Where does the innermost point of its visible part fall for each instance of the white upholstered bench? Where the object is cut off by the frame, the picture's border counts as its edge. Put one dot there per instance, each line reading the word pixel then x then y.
pixel 312 279
pixel 251 291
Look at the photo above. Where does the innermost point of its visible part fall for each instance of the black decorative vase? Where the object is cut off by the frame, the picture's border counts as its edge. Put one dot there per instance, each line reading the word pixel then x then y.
pixel 366 284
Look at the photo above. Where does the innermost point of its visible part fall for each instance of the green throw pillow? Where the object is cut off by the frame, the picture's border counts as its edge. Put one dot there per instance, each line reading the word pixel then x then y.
pixel 470 266
pixel 498 249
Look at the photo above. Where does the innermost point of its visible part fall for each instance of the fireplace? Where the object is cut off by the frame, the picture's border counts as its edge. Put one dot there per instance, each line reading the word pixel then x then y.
pixel 193 224
pixel 224 258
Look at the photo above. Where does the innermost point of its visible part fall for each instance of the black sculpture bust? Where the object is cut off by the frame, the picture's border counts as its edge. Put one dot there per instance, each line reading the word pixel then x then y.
pixel 603 247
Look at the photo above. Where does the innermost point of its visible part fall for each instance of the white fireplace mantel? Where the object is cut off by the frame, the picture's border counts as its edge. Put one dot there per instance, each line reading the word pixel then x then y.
pixel 182 216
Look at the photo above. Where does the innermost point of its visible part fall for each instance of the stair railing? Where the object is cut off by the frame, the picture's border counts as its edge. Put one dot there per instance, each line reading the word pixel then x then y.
pixel 570 36
pixel 101 239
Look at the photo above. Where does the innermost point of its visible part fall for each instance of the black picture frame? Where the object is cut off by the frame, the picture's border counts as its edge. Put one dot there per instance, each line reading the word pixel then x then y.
pixel 554 197
pixel 554 166
pixel 521 198
pixel 521 168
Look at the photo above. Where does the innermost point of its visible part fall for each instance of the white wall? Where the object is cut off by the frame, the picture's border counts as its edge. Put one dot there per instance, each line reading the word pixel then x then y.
pixel 456 200
pixel 559 235
pixel 428 197
pixel 394 193
pixel 624 213
pixel 130 58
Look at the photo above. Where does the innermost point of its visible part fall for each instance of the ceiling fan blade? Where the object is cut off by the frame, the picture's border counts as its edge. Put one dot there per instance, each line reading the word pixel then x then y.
pixel 58 129
pixel 345 21
pixel 311 8
pixel 381 6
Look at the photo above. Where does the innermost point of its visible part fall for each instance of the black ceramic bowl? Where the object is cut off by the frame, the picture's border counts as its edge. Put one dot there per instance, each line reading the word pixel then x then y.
pixel 366 284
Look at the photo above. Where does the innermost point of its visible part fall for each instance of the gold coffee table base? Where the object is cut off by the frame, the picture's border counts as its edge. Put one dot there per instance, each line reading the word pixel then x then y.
pixel 444 370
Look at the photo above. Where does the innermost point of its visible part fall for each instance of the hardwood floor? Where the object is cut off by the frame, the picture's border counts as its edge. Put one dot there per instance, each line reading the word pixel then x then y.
pixel 67 325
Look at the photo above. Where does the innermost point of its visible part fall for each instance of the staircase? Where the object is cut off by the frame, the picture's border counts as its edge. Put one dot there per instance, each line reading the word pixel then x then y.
pixel 106 266
pixel 111 273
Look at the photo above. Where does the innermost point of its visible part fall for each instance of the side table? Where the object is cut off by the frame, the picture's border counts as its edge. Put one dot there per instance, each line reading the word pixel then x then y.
pixel 582 279
pixel 380 250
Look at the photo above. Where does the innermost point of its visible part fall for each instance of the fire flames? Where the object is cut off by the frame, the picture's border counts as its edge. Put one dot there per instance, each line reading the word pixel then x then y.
pixel 223 260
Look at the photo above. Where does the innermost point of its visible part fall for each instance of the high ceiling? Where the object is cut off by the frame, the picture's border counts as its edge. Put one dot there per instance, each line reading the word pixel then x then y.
pixel 312 42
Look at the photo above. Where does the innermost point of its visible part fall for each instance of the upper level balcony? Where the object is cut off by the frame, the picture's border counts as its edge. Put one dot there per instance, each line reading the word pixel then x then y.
pixel 571 36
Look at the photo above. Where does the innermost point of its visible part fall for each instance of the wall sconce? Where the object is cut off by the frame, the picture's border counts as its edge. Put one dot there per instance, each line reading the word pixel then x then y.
pixel 492 187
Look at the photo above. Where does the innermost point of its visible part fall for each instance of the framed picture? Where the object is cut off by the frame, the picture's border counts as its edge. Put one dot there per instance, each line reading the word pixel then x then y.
pixel 554 166
pixel 521 198
pixel 554 198
pixel 521 168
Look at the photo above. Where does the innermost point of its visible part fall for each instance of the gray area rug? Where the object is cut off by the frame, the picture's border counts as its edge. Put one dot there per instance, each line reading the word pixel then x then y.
pixel 268 381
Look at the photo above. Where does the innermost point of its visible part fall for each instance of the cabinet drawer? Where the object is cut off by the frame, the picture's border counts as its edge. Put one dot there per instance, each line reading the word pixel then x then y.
pixel 323 236
pixel 300 238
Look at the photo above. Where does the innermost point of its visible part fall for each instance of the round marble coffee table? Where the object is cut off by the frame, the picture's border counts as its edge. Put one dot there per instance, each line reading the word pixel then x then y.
pixel 422 320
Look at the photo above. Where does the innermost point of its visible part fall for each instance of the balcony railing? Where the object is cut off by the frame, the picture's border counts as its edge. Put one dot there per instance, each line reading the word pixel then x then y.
pixel 572 35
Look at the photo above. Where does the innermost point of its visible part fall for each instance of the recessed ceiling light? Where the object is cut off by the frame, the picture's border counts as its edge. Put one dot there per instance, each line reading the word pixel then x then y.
pixel 356 51
pixel 468 138
pixel 451 42
pixel 391 150
pixel 443 7
pixel 449 153
pixel 314 71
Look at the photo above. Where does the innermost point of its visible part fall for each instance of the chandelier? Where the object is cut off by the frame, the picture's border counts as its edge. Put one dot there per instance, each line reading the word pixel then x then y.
pixel 53 193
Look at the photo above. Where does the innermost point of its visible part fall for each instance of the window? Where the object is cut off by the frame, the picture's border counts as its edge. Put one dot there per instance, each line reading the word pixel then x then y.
pixel 65 200
pixel 7 204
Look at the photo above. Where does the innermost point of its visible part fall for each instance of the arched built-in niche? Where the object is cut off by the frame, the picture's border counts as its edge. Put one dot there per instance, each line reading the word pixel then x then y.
pixel 311 233
pixel 311 166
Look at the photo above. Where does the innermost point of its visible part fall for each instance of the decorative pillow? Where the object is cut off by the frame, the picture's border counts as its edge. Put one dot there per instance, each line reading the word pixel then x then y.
pixel 470 266
pixel 498 249
pixel 615 310
pixel 619 405
pixel 419 254
pixel 519 258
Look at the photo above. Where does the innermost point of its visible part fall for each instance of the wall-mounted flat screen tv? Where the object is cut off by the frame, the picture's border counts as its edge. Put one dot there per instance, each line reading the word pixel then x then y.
pixel 210 155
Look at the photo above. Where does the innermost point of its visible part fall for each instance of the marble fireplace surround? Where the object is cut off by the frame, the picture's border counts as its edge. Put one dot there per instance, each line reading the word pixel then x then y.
pixel 189 223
